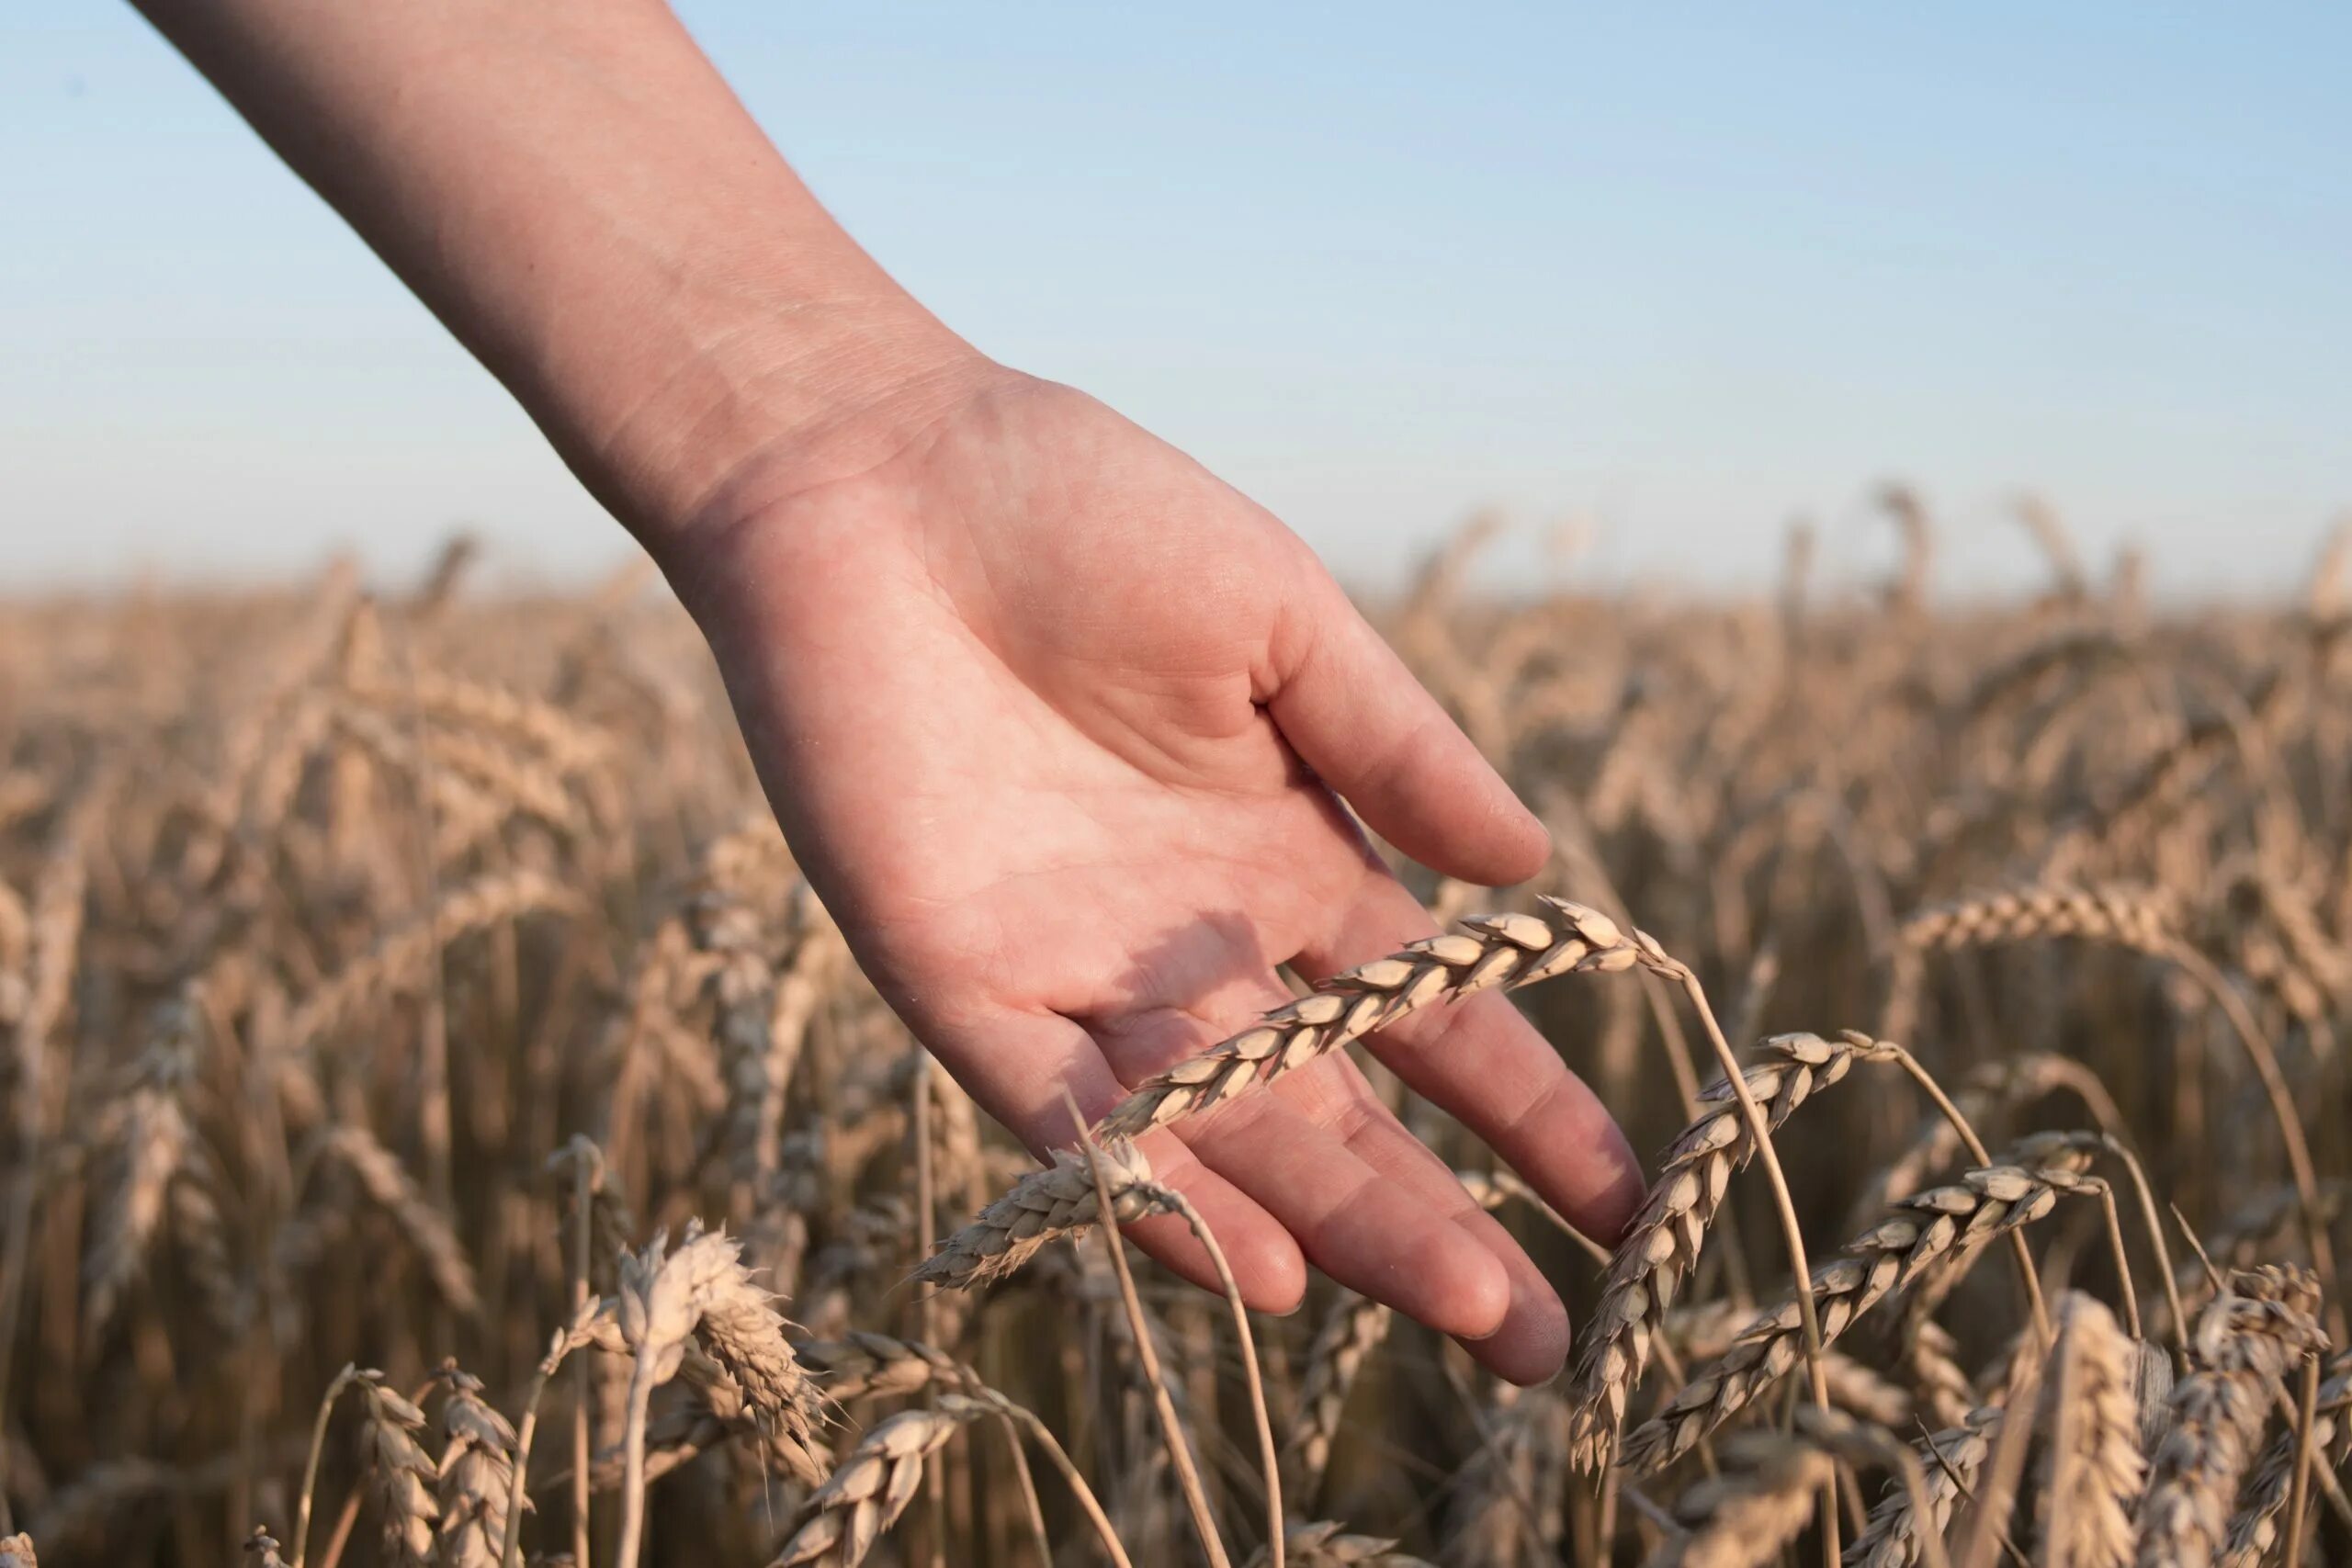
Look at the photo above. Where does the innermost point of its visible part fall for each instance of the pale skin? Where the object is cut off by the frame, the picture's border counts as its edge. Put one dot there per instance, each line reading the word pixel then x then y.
pixel 1058 723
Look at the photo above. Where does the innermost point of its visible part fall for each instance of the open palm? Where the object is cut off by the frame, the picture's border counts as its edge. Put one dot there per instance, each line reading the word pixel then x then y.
pixel 1067 763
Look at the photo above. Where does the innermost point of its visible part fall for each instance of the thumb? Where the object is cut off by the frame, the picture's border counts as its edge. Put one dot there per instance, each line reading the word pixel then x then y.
pixel 1347 705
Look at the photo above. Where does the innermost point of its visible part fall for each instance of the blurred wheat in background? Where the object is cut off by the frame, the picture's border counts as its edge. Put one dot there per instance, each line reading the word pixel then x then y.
pixel 442 1128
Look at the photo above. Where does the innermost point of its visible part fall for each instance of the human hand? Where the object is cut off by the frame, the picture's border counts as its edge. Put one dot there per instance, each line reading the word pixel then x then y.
pixel 1055 721
pixel 1052 718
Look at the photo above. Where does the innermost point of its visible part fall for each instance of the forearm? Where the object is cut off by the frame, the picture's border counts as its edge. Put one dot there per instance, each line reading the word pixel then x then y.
pixel 569 186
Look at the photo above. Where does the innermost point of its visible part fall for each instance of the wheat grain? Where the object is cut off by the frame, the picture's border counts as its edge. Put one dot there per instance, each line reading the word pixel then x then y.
pixel 2254 1529
pixel 1953 1459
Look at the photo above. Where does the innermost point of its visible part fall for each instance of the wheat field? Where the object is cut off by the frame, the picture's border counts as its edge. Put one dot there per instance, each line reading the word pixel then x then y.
pixel 442 1128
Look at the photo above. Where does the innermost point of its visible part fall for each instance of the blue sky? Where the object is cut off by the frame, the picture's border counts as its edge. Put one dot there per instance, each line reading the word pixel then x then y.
pixel 1679 272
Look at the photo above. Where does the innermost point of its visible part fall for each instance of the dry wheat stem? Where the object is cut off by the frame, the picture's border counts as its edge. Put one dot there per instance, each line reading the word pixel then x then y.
pixel 343 1380
pixel 592 1323
pixel 1098 1169
pixel 1269 1458
pixel 1020 1420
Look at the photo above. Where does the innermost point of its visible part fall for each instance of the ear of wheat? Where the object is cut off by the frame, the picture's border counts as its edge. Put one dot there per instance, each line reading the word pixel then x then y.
pixel 1744 1517
pixel 1490 952
pixel 2254 1530
pixel 476 1477
pixel 845 1515
pixel 1323 1544
pixel 404 1475
pixel 1663 1242
pixel 1944 1226
pixel 2093 1472
pixel 876 1366
pixel 1951 1460
pixel 1354 1329
pixel 2245 1341
pixel 1043 1206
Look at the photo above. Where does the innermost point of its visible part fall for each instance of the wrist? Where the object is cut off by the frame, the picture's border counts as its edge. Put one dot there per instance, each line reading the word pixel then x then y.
pixel 735 419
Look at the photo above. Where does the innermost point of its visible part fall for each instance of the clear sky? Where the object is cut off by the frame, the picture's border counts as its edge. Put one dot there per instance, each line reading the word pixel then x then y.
pixel 1681 271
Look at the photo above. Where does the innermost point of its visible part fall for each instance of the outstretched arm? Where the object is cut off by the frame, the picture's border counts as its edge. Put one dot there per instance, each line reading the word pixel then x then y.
pixel 1057 724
